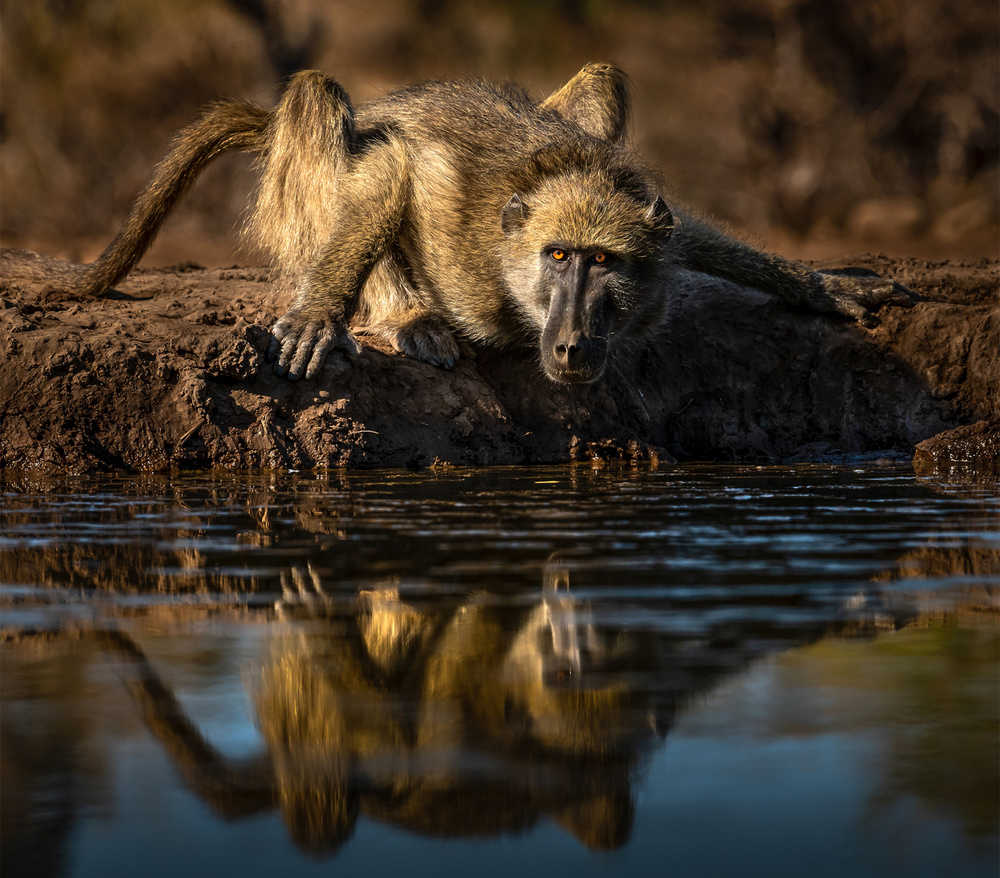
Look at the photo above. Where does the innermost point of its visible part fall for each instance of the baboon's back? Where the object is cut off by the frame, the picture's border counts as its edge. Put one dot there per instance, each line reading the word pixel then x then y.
pixel 469 146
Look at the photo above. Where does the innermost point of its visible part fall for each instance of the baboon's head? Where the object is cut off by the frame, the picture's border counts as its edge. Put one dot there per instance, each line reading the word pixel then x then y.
pixel 582 250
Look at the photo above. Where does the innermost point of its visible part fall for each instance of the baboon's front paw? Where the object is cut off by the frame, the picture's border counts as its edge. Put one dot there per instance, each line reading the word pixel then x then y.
pixel 857 296
pixel 300 343
pixel 428 339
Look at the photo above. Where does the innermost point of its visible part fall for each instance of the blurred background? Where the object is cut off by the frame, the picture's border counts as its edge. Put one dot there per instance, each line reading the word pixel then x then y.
pixel 815 127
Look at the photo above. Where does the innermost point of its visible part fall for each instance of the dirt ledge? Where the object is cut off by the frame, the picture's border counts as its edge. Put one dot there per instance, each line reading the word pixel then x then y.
pixel 168 373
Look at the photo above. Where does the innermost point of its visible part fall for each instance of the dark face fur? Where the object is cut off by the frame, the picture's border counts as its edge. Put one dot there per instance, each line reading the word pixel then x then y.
pixel 580 296
pixel 578 285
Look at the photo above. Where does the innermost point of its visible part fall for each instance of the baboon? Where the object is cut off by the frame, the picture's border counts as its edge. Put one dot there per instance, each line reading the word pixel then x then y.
pixel 467 208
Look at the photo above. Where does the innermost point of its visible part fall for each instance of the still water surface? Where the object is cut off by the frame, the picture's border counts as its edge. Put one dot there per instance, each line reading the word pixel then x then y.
pixel 686 671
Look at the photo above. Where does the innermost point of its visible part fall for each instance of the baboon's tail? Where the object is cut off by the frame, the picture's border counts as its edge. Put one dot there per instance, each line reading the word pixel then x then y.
pixel 224 127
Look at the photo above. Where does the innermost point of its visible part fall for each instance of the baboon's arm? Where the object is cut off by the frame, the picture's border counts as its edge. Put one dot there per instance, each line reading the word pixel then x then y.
pixel 596 99
pixel 364 221
pixel 701 247
pixel 231 125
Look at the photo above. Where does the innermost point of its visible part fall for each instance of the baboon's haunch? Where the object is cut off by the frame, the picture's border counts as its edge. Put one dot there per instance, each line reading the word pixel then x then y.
pixel 466 207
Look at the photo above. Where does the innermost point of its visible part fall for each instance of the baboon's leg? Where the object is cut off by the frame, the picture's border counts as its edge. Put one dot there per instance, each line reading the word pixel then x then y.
pixel 327 209
pixel 703 248
pixel 363 222
pixel 231 125
pixel 392 309
pixel 314 160
pixel 596 99
pixel 309 150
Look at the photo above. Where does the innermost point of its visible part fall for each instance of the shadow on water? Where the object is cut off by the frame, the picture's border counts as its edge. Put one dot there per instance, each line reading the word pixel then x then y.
pixel 465 656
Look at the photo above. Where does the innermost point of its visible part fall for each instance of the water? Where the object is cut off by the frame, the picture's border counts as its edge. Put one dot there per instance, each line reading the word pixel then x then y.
pixel 700 671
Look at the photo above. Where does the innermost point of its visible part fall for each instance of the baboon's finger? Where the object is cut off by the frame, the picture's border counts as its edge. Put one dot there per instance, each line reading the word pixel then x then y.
pixel 900 295
pixel 286 585
pixel 887 292
pixel 303 351
pixel 321 348
pixel 288 348
pixel 273 346
pixel 300 579
pixel 854 308
pixel 278 333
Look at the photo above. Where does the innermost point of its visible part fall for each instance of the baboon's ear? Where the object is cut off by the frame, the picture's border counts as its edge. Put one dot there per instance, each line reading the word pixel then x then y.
pixel 658 216
pixel 513 215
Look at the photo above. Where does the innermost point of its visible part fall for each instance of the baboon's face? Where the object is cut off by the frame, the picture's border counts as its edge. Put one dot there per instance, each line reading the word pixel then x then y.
pixel 579 255
pixel 578 285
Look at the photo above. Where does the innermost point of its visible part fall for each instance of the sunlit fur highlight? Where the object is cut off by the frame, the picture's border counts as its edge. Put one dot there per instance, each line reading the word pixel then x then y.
pixel 310 139
pixel 586 211
pixel 397 215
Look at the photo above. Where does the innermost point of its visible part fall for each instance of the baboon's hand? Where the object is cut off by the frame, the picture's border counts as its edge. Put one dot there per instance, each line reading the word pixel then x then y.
pixel 856 293
pixel 301 341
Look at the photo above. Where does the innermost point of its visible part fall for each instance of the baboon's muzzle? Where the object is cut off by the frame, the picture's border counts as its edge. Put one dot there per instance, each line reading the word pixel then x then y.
pixel 574 343
pixel 572 356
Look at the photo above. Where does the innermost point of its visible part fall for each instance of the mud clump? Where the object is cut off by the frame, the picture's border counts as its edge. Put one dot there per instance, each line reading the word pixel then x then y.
pixel 971 451
pixel 168 372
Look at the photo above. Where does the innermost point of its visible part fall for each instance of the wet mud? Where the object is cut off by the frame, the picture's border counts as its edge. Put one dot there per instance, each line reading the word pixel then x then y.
pixel 168 372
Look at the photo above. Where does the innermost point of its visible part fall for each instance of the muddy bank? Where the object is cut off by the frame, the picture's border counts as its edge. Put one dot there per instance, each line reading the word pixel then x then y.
pixel 971 451
pixel 168 372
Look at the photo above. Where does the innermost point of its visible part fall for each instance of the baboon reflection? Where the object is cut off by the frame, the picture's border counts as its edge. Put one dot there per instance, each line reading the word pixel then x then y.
pixel 458 717
pixel 446 715
pixel 455 719
pixel 470 721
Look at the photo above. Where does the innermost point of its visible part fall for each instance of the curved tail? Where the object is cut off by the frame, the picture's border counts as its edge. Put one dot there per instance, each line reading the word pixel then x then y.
pixel 224 127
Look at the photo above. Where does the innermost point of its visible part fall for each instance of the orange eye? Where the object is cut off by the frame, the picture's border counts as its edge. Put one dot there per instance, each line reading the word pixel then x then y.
pixel 558 255
pixel 600 258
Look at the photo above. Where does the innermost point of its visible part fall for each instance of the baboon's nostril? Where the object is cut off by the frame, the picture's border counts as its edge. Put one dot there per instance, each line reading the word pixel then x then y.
pixel 571 352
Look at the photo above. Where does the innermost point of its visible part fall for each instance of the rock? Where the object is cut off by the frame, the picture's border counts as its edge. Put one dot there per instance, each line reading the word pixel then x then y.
pixel 131 382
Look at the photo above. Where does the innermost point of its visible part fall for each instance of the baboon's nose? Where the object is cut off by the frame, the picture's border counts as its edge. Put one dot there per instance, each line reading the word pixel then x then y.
pixel 570 352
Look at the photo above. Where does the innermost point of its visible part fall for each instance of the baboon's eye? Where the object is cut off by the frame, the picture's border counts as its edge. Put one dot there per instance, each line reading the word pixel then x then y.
pixel 557 254
pixel 601 258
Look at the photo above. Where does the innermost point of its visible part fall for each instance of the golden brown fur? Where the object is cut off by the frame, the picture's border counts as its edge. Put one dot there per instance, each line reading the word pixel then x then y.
pixel 311 134
pixel 467 208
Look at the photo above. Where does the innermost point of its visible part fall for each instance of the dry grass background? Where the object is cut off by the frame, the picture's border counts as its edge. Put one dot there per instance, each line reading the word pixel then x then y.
pixel 816 127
